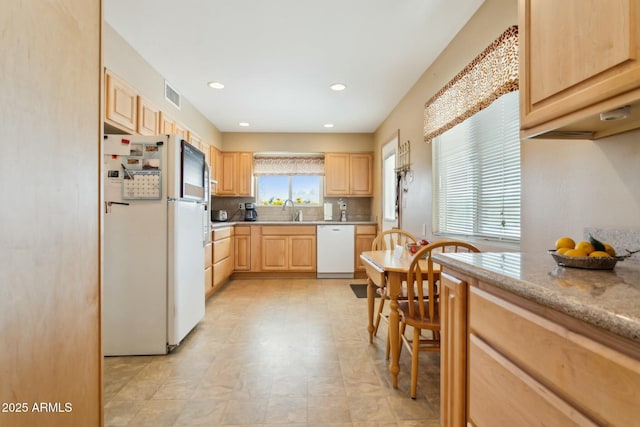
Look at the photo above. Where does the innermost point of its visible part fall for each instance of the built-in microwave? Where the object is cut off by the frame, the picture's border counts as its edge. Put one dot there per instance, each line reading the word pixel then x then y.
pixel 194 173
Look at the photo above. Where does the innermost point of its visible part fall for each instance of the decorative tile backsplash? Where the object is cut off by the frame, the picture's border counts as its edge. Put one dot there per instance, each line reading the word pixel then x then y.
pixel 358 209
pixel 621 240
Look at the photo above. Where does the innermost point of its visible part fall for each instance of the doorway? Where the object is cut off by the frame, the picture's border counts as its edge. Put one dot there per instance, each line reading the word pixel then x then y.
pixel 391 205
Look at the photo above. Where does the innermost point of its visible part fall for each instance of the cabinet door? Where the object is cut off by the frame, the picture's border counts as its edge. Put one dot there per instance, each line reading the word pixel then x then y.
pixel 242 252
pixel 167 124
pixel 181 131
pixel 208 280
pixel 336 181
pixel 453 350
pixel 204 147
pixel 214 155
pixel 227 173
pixel 360 182
pixel 302 253
pixel 148 118
pixel 244 174
pixel 194 139
pixel 274 253
pixel 208 255
pixel 574 54
pixel 362 243
pixel 121 104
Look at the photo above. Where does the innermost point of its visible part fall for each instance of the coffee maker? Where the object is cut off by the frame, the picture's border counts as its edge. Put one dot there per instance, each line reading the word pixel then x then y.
pixel 250 213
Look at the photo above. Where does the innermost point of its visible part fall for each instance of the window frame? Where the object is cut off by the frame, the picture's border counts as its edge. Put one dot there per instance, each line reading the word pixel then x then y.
pixel 476 233
pixel 290 189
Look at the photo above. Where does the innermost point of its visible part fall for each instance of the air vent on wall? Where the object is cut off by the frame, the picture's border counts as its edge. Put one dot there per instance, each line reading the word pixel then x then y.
pixel 171 95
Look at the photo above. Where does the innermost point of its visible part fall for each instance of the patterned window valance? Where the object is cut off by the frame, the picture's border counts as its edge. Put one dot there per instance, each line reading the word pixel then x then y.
pixel 490 75
pixel 288 164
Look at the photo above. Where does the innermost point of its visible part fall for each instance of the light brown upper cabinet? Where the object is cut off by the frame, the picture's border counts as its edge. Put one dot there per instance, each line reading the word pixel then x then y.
pixel 148 118
pixel 216 167
pixel 578 58
pixel 348 174
pixel 181 131
pixel 235 174
pixel 167 124
pixel 121 102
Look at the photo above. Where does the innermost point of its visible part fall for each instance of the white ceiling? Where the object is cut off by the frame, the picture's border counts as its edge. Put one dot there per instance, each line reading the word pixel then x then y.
pixel 277 58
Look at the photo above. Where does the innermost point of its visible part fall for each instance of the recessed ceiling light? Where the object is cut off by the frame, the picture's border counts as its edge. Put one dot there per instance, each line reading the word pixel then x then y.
pixel 243 124
pixel 216 85
pixel 328 125
pixel 338 87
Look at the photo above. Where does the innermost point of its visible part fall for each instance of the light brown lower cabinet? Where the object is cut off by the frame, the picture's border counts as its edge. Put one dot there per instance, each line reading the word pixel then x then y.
pixel 242 248
pixel 527 366
pixel 288 248
pixel 453 318
pixel 222 256
pixel 365 235
pixel 208 280
pixel 208 268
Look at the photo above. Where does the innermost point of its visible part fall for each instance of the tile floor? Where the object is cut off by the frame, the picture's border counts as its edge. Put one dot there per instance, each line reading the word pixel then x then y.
pixel 273 353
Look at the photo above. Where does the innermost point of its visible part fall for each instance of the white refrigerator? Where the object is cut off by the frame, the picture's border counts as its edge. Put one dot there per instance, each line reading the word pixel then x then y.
pixel 156 226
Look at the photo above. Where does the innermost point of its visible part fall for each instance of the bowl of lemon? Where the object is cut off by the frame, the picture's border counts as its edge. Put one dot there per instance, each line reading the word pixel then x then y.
pixel 589 254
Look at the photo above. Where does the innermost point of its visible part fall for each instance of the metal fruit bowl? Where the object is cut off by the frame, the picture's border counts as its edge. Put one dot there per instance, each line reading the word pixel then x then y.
pixel 586 262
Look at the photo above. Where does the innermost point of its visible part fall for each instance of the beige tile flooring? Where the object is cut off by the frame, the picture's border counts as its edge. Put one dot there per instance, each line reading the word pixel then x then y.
pixel 273 353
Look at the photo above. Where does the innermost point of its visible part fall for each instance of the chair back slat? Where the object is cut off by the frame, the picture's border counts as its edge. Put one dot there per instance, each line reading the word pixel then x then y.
pixel 390 239
pixel 417 278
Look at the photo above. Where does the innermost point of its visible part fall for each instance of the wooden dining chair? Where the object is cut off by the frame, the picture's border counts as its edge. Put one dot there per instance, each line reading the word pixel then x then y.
pixel 388 239
pixel 421 310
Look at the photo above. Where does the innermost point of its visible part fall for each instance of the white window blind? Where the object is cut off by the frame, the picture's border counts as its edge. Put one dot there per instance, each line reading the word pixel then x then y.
pixel 477 174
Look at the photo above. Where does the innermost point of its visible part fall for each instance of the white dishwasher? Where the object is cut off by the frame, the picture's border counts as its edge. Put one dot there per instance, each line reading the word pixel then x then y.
pixel 335 251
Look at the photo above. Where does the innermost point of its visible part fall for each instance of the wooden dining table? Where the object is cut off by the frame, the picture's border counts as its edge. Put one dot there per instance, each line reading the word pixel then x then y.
pixel 387 267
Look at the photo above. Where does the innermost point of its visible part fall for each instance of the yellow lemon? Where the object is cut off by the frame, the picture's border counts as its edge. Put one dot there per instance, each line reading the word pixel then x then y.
pixel 585 247
pixel 565 242
pixel 609 249
pixel 599 254
pixel 575 253
pixel 561 251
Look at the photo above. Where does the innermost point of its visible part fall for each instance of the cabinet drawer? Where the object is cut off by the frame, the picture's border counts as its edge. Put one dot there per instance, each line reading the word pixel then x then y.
pixel 242 231
pixel 221 249
pixel 208 257
pixel 602 382
pixel 222 270
pixel 208 279
pixel 503 395
pixel 366 229
pixel 288 230
pixel 221 233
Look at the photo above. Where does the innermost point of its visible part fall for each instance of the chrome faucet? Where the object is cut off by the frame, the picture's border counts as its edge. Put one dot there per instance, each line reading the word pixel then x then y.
pixel 293 208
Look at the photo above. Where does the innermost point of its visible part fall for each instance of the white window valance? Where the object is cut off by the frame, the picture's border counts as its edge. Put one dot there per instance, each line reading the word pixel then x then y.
pixel 288 164
pixel 490 75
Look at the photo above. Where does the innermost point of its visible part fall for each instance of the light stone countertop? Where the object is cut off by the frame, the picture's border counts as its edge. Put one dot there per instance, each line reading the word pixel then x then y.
pixel 609 299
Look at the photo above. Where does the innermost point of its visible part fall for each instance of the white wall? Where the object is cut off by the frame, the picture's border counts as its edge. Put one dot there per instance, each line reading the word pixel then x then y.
pixel 491 19
pixel 126 63
pixel 570 185
pixel 566 185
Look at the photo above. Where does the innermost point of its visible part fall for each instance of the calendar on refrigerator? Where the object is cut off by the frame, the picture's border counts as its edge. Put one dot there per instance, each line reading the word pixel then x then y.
pixel 141 172
pixel 145 184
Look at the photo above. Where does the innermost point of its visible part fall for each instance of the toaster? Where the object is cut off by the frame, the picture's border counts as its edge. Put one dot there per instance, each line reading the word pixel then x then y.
pixel 220 215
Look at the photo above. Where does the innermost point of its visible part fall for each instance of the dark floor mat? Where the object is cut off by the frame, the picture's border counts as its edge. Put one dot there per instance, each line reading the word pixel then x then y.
pixel 361 290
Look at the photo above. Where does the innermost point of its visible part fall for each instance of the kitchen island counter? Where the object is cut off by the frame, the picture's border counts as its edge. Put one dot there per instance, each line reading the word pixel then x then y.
pixel 608 299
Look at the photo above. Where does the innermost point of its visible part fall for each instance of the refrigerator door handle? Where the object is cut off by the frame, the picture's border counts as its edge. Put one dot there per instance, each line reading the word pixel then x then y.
pixel 107 206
